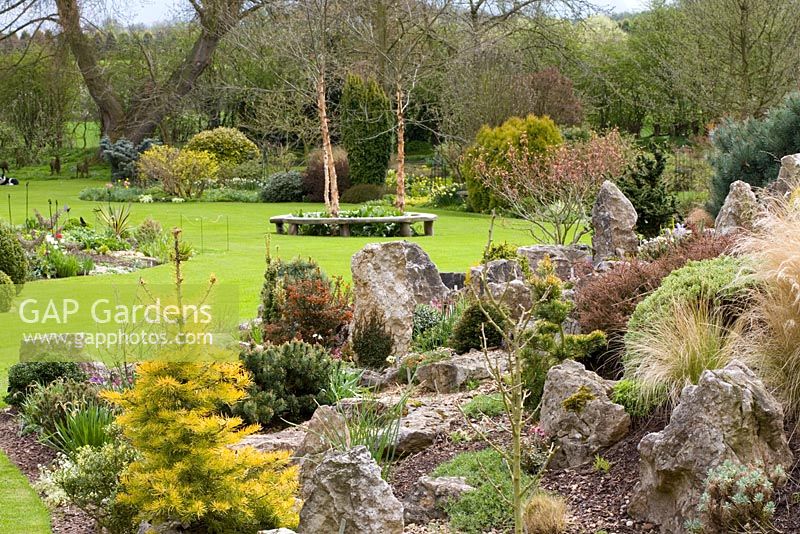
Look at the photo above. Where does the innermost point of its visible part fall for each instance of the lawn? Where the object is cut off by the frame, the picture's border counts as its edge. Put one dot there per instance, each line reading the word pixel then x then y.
pixel 22 510
pixel 230 239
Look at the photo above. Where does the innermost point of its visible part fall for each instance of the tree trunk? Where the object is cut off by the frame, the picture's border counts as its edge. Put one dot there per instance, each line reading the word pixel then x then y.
pixel 331 185
pixel 400 201
pixel 155 103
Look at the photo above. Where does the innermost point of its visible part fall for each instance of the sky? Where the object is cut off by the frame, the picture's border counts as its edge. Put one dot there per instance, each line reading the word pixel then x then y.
pixel 153 11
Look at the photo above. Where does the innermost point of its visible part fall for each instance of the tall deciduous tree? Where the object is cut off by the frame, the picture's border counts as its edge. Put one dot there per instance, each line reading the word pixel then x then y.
pixel 138 117
pixel 366 124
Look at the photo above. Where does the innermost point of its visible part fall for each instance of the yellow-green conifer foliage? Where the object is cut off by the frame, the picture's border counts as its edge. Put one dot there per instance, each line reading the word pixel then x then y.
pixel 188 472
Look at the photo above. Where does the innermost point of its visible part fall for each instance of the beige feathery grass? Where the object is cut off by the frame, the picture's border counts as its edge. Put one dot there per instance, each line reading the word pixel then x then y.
pixel 772 345
pixel 672 353
pixel 545 514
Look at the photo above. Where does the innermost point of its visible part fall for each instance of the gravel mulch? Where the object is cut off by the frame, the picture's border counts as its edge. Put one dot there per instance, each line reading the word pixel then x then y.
pixel 29 455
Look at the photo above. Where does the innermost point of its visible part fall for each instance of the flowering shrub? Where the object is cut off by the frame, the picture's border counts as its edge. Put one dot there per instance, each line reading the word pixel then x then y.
pixel 553 189
pixel 181 173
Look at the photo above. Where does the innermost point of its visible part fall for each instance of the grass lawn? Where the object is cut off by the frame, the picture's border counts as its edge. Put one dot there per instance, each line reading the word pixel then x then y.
pixel 21 509
pixel 230 240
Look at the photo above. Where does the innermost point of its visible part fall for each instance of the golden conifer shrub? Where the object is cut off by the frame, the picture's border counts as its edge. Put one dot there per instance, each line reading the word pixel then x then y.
pixel 188 472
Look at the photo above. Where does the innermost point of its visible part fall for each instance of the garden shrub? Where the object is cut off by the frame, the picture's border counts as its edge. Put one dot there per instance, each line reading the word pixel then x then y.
pixel 227 145
pixel 360 193
pixel 477 321
pixel 545 514
pixel 48 404
pixel 628 394
pixel 23 375
pixel 372 344
pixel 12 256
pixel 283 187
pixel 549 344
pixel 226 194
pixel 366 126
pixel 7 292
pixel 738 498
pixel 182 173
pixel 313 310
pixel 492 144
pixel 485 508
pixel 122 155
pixel 439 334
pixel 289 382
pixel 480 405
pixel 277 274
pixel 506 251
pixel 751 150
pixel 645 188
pixel 715 281
pixel 314 177
pixel 148 231
pixel 90 480
pixel 425 318
pixel 246 176
pixel 606 301
pixel 172 418
pixel 115 194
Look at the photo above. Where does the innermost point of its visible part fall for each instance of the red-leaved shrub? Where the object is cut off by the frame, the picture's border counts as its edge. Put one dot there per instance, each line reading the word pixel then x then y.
pixel 606 301
pixel 315 311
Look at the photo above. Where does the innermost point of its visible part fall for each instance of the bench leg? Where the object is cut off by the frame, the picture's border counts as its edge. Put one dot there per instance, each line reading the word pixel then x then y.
pixel 292 229
pixel 405 230
pixel 279 227
pixel 429 228
pixel 344 230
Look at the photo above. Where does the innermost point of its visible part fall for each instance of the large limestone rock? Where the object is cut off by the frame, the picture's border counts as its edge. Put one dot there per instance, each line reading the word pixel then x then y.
pixel 739 209
pixel 389 280
pixel 728 415
pixel 325 427
pixel 565 258
pixel 426 503
pixel 614 219
pixel 448 376
pixel 788 176
pixel 578 414
pixel 505 281
pixel 347 489
pixel 286 440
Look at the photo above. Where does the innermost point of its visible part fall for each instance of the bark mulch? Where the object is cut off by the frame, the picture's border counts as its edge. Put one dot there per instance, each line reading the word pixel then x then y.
pixel 30 456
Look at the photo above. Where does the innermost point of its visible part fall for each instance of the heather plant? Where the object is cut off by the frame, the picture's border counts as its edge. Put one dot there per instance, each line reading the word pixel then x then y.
pixel 172 419
pixel 553 189
pixel 289 381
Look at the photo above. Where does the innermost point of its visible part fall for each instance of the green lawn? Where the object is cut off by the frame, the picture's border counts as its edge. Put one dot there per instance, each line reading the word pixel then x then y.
pixel 21 511
pixel 230 239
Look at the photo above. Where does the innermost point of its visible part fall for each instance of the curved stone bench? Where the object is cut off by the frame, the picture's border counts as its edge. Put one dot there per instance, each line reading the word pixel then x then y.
pixel 343 223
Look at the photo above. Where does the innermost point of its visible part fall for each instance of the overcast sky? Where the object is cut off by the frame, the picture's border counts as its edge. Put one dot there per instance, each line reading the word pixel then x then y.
pixel 151 11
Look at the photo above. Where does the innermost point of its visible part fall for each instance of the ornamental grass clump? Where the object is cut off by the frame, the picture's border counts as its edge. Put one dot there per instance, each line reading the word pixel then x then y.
pixel 188 471
pixel 772 346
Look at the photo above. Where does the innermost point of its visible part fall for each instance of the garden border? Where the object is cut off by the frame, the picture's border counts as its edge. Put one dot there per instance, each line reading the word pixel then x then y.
pixel 405 221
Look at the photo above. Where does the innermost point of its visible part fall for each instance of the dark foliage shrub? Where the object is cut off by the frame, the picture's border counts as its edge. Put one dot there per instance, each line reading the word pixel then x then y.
pixel 314 177
pixel 288 382
pixel 228 145
pixel 24 374
pixel 372 344
pixel 315 310
pixel 363 193
pixel 605 302
pixel 645 188
pixel 751 150
pixel 277 274
pixel 284 187
pixel 12 256
pixel 366 124
pixel 7 292
pixel 474 323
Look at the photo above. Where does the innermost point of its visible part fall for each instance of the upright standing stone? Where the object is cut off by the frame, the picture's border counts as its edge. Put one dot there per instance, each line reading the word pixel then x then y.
pixel 347 489
pixel 614 219
pixel 728 415
pixel 738 211
pixel 389 280
pixel 788 176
